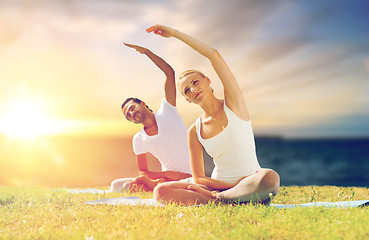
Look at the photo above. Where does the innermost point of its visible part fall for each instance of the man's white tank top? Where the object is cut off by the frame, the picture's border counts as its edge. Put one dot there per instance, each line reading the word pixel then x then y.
pixel 233 149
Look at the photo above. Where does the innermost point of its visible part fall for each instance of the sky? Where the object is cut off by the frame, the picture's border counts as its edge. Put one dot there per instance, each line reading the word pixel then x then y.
pixel 303 66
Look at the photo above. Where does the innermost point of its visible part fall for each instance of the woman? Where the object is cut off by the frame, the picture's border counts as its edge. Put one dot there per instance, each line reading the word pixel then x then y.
pixel 224 130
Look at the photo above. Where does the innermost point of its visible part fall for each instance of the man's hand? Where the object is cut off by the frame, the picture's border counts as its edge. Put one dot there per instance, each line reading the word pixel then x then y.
pixel 138 48
pixel 142 179
pixel 175 176
pixel 146 182
pixel 148 174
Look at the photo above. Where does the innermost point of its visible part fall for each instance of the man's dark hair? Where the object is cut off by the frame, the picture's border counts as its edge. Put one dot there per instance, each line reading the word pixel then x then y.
pixel 136 100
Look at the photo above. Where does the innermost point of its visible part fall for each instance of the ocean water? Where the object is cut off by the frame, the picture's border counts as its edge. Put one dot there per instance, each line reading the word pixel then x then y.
pixel 302 162
pixel 339 162
pixel 93 161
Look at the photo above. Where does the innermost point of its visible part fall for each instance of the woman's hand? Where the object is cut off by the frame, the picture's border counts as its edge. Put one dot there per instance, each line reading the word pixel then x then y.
pixel 215 194
pixel 203 191
pixel 161 30
pixel 138 48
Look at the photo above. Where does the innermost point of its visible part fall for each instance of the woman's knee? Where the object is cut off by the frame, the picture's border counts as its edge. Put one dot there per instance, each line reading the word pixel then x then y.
pixel 270 180
pixel 161 190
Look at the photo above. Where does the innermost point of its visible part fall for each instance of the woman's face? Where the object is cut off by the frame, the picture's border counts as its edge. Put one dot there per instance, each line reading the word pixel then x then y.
pixel 194 87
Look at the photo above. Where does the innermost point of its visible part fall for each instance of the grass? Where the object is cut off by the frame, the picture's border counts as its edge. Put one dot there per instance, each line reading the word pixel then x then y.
pixel 41 213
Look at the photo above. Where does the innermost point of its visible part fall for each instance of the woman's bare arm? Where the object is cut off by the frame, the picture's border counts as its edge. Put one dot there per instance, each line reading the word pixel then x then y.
pixel 197 163
pixel 232 92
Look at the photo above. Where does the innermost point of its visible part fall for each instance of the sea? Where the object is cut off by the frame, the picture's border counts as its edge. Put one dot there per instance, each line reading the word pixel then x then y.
pixel 323 161
pixel 95 161
pixel 339 162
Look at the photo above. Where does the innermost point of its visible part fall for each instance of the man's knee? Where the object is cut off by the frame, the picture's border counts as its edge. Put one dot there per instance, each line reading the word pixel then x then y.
pixel 116 186
pixel 120 185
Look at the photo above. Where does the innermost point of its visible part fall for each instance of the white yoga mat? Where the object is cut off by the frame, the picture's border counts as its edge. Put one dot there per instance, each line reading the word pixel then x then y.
pixel 343 204
pixel 88 190
pixel 133 201
pixel 136 201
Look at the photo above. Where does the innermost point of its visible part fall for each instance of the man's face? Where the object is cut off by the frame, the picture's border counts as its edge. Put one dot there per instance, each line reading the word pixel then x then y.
pixel 135 112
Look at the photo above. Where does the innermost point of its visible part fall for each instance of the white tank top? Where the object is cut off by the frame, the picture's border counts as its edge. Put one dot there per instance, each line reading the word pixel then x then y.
pixel 233 149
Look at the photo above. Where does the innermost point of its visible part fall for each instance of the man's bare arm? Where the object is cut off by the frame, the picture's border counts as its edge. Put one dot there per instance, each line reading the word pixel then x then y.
pixel 169 85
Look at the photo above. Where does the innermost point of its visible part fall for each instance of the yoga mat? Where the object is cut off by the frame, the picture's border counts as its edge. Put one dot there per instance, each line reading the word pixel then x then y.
pixel 136 201
pixel 133 201
pixel 343 204
pixel 88 190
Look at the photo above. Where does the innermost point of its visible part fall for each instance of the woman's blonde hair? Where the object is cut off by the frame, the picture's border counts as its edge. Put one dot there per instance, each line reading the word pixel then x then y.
pixel 191 71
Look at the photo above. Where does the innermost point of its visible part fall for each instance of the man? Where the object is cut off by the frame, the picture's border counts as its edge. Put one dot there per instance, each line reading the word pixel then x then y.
pixel 164 135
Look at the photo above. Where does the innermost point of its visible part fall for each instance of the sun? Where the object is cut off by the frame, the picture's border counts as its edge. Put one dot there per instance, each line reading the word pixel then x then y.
pixel 26 119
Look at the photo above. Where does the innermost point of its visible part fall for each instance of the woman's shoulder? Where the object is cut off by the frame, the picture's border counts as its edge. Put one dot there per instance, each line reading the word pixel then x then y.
pixel 192 134
pixel 192 130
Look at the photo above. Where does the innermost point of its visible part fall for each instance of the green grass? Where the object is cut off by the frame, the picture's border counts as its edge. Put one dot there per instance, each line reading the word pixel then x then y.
pixel 41 213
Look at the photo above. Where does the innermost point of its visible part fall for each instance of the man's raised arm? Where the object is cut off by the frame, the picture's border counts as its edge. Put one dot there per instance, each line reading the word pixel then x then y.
pixel 170 85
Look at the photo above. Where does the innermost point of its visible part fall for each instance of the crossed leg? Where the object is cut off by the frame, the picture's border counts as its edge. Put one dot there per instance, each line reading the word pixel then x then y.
pixel 179 193
pixel 140 183
pixel 255 187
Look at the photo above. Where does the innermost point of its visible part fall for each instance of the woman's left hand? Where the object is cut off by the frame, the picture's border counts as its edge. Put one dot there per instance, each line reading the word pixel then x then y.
pixel 161 30
pixel 215 194
pixel 203 191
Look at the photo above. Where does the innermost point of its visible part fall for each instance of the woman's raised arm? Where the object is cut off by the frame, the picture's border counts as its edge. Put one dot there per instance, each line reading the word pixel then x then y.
pixel 232 92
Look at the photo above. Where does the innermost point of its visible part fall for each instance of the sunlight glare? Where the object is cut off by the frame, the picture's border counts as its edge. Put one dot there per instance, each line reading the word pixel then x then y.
pixel 26 119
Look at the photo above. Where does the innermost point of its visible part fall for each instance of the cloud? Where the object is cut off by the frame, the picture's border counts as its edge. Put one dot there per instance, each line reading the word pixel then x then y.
pixel 311 65
pixel 366 64
pixel 278 50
